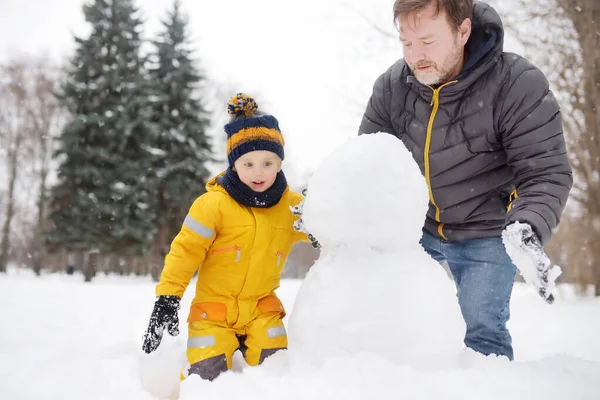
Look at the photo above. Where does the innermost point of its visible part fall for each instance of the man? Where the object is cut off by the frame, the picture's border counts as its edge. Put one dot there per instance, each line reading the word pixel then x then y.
pixel 486 132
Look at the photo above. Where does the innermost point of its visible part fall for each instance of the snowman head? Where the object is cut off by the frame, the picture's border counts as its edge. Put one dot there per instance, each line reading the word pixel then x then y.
pixel 368 192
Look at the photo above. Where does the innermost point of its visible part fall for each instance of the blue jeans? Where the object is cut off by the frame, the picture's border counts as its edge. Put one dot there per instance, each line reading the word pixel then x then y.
pixel 484 277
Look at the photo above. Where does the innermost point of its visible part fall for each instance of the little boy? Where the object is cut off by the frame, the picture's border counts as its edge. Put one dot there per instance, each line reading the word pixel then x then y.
pixel 237 236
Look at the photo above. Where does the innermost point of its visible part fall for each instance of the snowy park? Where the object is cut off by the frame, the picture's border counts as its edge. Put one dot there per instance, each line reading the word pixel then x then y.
pixel 480 127
pixel 372 318
pixel 63 339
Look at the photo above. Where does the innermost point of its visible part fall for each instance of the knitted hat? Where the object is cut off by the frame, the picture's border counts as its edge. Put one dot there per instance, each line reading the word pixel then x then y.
pixel 250 130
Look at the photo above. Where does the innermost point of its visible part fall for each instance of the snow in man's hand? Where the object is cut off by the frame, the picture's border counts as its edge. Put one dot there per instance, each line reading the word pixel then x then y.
pixel 374 289
pixel 529 257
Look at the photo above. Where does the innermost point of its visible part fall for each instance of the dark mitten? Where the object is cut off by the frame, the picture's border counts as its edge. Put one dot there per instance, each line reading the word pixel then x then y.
pixel 163 316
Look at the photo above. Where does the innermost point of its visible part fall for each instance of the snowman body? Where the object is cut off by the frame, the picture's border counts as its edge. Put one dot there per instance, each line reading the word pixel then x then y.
pixel 374 289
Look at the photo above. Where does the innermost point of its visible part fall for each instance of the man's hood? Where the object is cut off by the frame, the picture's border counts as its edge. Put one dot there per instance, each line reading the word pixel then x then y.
pixel 486 40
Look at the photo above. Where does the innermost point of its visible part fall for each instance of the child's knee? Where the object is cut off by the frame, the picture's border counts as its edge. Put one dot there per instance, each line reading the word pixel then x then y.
pixel 264 338
pixel 208 368
pixel 209 350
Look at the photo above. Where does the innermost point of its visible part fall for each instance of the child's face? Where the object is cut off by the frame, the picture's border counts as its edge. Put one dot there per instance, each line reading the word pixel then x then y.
pixel 258 169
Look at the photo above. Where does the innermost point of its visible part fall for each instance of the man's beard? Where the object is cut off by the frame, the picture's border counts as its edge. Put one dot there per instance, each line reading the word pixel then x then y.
pixel 438 74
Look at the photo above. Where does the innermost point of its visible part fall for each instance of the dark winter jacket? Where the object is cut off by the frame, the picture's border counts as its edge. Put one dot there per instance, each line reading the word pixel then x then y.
pixel 490 144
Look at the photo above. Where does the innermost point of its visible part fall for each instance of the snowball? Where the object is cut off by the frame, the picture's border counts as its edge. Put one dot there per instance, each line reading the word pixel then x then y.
pixel 369 191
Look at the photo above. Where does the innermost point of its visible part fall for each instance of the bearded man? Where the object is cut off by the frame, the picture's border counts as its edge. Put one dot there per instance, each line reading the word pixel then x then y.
pixel 487 133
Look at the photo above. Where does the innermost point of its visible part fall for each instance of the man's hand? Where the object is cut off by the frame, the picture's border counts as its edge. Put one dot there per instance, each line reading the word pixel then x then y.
pixel 299 224
pixel 164 316
pixel 527 253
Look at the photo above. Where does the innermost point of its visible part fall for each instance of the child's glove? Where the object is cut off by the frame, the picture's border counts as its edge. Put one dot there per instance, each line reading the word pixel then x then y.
pixel 299 224
pixel 163 316
pixel 527 253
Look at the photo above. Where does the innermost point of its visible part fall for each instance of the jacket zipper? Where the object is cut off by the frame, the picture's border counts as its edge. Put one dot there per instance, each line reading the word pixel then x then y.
pixel 513 196
pixel 224 249
pixel 435 102
pixel 279 254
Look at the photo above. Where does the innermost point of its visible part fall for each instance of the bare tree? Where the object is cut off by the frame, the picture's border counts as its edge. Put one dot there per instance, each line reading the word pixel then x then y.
pixel 563 37
pixel 46 118
pixel 30 118
pixel 13 133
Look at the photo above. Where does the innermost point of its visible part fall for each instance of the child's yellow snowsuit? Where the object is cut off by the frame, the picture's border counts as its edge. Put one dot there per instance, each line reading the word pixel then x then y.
pixel 241 252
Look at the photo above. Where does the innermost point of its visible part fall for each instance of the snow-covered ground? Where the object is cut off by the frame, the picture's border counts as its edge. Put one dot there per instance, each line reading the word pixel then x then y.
pixel 367 323
pixel 61 338
pixel 375 317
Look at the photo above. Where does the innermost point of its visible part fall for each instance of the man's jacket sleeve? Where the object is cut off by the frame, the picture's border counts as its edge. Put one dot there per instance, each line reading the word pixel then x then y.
pixel 376 117
pixel 190 246
pixel 532 135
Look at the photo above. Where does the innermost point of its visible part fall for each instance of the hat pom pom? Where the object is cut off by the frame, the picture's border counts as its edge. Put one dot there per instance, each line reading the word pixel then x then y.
pixel 241 105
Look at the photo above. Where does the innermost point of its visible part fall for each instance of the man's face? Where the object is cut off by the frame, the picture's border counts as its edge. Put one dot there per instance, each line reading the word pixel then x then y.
pixel 432 49
pixel 258 169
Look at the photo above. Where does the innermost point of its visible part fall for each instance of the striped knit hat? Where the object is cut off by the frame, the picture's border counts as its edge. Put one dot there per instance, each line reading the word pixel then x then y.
pixel 250 130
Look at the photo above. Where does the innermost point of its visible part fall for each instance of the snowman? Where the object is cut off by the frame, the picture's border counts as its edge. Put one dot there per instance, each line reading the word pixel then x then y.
pixel 374 289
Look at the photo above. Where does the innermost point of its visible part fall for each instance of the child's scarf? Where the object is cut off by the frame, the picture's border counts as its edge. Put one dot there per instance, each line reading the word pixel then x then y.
pixel 248 197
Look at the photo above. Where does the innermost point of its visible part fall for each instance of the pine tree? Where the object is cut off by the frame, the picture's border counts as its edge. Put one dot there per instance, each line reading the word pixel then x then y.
pixel 103 199
pixel 182 147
